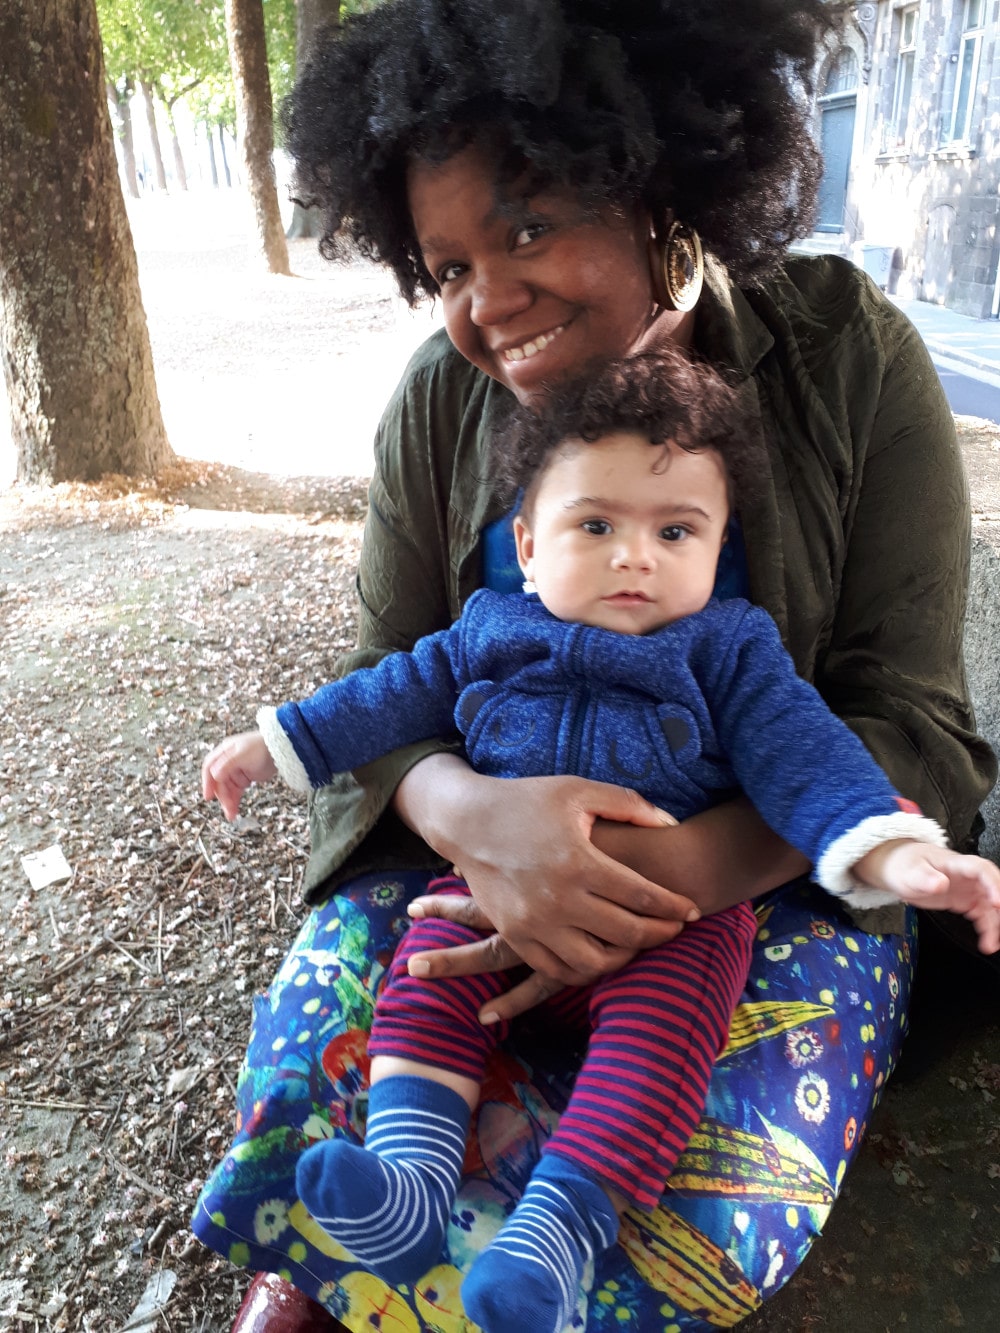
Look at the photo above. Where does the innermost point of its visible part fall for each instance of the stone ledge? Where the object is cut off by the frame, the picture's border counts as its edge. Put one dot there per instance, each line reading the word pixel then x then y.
pixel 981 451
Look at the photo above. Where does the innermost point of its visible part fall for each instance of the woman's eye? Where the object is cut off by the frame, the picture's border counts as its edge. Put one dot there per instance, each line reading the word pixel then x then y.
pixel 449 273
pixel 529 232
pixel 674 533
pixel 596 527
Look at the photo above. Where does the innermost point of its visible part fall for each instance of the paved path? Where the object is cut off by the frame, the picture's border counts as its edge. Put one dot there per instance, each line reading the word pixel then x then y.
pixel 260 372
pixel 972 342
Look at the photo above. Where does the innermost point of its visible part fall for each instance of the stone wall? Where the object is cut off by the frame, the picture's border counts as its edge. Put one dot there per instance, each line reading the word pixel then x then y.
pixel 982 659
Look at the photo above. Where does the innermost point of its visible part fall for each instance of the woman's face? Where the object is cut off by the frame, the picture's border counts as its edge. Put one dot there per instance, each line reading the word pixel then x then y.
pixel 534 288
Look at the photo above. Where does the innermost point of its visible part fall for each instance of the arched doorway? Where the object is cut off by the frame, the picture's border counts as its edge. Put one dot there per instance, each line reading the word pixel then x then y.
pixel 838 104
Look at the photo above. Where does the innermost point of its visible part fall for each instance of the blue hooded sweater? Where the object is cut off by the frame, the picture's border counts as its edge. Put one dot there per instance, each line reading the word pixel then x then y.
pixel 686 716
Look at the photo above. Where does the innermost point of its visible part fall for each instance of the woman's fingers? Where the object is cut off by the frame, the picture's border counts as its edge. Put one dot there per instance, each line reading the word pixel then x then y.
pixel 450 907
pixel 618 893
pixel 495 954
pixel 603 800
pixel 491 954
pixel 520 998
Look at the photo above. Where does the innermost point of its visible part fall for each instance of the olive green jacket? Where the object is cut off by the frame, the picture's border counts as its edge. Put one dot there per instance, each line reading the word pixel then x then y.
pixel 857 540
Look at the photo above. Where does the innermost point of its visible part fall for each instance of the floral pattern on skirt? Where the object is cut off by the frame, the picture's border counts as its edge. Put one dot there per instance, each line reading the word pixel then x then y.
pixel 815 1037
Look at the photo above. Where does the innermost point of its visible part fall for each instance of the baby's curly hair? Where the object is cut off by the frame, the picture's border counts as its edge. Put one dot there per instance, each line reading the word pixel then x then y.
pixel 661 396
pixel 691 105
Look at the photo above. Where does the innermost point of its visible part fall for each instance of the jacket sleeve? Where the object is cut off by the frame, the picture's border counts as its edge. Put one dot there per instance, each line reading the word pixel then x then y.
pixel 406 588
pixel 894 669
pixel 807 773
pixel 347 723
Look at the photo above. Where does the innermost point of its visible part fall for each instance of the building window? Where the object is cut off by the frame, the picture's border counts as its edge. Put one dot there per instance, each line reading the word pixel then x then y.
pixel 895 131
pixel 957 126
pixel 842 76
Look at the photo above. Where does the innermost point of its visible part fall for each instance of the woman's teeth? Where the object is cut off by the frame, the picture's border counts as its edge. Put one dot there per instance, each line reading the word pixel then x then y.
pixel 528 350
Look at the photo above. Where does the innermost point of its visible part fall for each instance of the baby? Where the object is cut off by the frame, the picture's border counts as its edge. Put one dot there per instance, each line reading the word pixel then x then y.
pixel 618 664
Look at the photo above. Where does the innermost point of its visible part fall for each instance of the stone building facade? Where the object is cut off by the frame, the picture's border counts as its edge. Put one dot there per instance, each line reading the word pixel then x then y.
pixel 907 111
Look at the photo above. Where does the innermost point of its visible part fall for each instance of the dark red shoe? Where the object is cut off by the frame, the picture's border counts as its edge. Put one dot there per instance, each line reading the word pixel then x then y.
pixel 273 1305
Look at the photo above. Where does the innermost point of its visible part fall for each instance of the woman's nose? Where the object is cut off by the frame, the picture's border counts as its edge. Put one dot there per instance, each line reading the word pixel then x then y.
pixel 497 295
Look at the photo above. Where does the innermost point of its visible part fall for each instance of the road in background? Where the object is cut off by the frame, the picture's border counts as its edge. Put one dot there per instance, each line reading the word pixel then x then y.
pixel 972 395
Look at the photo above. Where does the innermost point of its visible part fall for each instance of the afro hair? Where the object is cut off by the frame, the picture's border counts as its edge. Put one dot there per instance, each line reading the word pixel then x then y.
pixel 688 105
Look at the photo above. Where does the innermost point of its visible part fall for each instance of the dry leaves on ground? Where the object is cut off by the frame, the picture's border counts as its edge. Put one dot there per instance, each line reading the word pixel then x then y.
pixel 138 627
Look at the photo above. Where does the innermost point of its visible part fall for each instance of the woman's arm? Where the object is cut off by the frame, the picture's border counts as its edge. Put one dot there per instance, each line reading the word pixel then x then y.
pixel 894 669
pixel 524 846
pixel 721 857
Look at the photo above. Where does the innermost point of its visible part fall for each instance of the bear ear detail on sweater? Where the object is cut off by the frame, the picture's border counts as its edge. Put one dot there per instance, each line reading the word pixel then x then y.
pixel 469 704
pixel 676 732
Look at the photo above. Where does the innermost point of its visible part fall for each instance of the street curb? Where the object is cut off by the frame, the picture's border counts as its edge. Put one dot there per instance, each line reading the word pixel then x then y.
pixel 948 353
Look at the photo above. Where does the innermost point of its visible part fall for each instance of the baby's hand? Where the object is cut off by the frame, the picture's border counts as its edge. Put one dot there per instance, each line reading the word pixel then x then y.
pixel 940 879
pixel 232 766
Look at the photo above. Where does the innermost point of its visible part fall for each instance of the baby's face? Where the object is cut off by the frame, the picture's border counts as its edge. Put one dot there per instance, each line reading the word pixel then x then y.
pixel 623 534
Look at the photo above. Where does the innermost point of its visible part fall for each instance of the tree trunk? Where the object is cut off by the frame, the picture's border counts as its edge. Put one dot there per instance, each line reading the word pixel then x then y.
pixel 73 337
pixel 123 110
pixel 154 134
pixel 211 155
pixel 255 124
pixel 225 157
pixel 179 171
pixel 310 17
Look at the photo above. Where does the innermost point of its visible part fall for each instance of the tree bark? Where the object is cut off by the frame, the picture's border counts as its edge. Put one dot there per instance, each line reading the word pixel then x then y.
pixel 255 124
pixel 154 134
pixel 225 157
pixel 210 136
pixel 73 336
pixel 179 170
pixel 123 109
pixel 310 17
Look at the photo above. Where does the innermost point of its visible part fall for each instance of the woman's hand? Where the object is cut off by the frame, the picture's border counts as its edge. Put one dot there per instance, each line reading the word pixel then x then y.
pixel 492 954
pixel 523 846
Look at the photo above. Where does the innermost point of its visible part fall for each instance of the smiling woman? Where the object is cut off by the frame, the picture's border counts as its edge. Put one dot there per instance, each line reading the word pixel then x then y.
pixel 526 164
pixel 533 286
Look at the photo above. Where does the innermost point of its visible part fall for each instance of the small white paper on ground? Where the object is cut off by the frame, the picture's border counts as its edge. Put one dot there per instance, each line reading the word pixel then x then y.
pixel 182 1081
pixel 145 1318
pixel 46 867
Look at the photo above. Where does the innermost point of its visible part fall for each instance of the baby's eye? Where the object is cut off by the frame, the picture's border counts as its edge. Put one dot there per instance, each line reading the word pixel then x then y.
pixel 596 527
pixel 674 532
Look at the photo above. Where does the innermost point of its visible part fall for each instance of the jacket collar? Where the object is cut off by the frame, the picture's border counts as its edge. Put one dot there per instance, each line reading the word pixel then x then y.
pixel 727 330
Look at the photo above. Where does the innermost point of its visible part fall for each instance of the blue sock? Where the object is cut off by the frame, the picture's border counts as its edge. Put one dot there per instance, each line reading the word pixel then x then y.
pixel 528 1280
pixel 389 1202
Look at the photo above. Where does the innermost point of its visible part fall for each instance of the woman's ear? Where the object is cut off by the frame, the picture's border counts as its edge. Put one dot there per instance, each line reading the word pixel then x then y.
pixel 525 544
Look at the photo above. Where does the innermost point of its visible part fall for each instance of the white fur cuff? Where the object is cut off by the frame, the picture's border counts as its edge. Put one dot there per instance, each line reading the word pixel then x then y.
pixel 290 767
pixel 834 869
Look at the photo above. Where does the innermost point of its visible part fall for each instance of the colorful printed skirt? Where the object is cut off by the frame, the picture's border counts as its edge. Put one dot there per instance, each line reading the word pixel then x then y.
pixel 813 1041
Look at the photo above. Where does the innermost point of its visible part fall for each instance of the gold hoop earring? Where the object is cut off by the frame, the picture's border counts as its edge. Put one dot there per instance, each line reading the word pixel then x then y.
pixel 677 267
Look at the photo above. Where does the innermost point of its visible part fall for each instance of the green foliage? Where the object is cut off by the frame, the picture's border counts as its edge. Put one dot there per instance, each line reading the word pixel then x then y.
pixel 179 46
pixel 168 42
pixel 279 27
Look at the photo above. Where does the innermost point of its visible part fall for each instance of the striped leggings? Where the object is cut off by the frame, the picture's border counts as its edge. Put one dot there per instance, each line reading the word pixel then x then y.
pixel 656 1028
